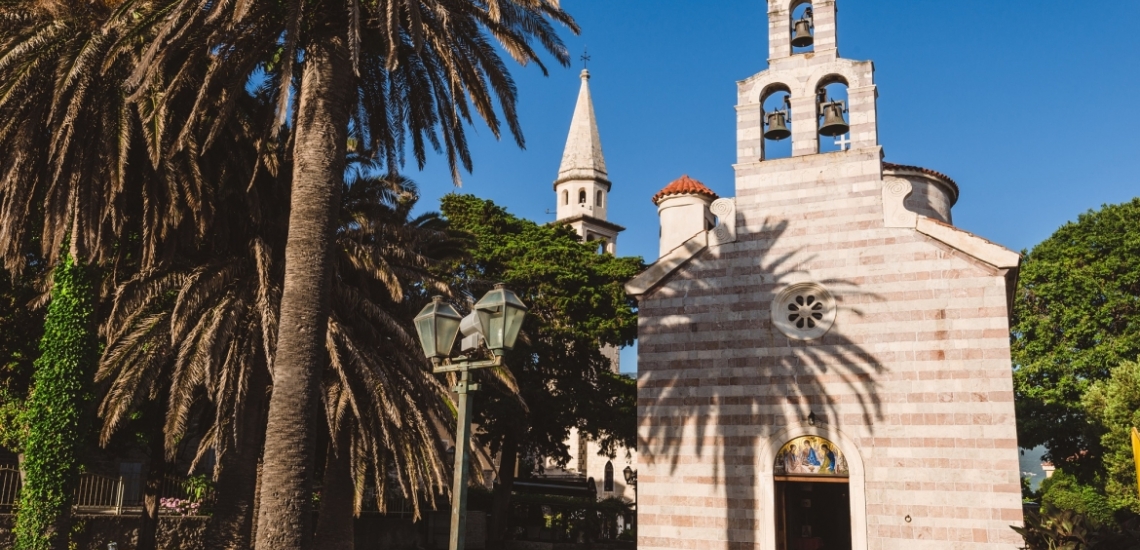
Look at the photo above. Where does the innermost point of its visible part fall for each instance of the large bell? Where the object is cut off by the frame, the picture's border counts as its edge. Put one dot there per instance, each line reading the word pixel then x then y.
pixel 778 126
pixel 833 123
pixel 801 36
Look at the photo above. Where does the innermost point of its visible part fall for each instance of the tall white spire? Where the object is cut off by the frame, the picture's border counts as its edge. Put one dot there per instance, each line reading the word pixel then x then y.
pixel 582 159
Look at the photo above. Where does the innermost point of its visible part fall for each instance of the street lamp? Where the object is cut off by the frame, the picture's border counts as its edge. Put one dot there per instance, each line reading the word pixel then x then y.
pixel 631 480
pixel 497 318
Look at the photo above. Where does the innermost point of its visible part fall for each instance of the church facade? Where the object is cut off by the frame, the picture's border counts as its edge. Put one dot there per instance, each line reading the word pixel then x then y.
pixel 823 358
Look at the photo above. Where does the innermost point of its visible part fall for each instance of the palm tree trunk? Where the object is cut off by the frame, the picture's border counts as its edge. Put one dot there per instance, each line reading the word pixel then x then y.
pixel 501 500
pixel 155 472
pixel 285 508
pixel 231 526
pixel 334 523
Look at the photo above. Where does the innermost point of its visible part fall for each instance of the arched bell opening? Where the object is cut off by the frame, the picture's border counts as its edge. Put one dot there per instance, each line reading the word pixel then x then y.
pixel 832 113
pixel 811 479
pixel 802 27
pixel 776 117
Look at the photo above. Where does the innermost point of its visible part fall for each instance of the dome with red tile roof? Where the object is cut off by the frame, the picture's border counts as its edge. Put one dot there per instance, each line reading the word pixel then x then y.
pixel 684 186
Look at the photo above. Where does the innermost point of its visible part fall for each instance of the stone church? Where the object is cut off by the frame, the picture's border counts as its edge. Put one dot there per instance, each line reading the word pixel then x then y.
pixel 823 358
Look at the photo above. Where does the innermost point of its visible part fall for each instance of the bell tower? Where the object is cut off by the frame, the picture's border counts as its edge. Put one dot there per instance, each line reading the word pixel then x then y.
pixel 804 65
pixel 583 186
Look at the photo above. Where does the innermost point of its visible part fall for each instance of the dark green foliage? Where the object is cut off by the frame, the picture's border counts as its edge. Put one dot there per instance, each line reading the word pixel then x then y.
pixel 1113 407
pixel 577 304
pixel 1064 492
pixel 1053 529
pixel 570 518
pixel 21 327
pixel 57 410
pixel 1076 316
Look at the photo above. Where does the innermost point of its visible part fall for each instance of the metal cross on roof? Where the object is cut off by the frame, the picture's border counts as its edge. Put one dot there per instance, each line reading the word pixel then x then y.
pixel 844 142
pixel 585 58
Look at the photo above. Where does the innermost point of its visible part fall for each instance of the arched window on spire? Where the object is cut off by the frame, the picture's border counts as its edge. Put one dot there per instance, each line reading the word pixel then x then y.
pixel 776 114
pixel 565 197
pixel 608 482
pixel 598 199
pixel 582 196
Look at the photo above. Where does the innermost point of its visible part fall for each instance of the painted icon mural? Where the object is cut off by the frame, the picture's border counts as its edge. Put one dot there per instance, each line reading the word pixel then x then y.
pixel 811 455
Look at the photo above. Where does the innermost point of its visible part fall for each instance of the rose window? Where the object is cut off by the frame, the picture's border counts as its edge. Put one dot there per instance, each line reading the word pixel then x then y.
pixel 803 311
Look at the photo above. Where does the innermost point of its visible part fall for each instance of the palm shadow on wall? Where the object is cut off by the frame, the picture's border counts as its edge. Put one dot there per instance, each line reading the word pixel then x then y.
pixel 692 399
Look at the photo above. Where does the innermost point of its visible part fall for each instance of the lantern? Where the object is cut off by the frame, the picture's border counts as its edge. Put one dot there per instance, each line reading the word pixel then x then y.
pixel 436 325
pixel 500 314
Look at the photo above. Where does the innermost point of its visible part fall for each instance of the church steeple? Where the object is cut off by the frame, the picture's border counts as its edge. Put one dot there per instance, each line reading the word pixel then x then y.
pixel 583 185
pixel 582 159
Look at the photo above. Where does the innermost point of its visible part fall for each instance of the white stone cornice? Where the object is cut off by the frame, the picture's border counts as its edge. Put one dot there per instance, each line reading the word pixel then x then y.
pixel 973 245
pixel 667 264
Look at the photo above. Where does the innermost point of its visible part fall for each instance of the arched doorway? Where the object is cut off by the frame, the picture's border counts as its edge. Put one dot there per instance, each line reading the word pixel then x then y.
pixel 813 496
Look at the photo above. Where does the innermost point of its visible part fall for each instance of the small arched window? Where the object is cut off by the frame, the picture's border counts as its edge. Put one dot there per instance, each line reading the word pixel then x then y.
pixel 565 197
pixel 598 199
pixel 608 482
pixel 832 110
pixel 581 196
pixel 803 28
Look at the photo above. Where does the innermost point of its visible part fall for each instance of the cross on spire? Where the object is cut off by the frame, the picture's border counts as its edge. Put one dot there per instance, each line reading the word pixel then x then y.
pixel 585 58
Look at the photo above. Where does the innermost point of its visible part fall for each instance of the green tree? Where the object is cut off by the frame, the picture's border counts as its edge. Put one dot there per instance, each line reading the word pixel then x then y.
pixel 21 328
pixel 1113 405
pixel 57 412
pixel 120 199
pixel 392 71
pixel 577 305
pixel 1076 316
pixel 1063 491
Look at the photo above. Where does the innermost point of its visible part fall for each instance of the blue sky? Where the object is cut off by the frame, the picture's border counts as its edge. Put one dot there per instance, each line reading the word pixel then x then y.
pixel 1031 106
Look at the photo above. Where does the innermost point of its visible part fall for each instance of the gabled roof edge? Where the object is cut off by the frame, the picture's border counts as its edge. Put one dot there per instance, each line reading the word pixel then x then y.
pixel 667 264
pixel 969 243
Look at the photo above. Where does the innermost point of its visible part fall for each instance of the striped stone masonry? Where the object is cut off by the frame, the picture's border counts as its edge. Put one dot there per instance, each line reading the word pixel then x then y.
pixel 912 380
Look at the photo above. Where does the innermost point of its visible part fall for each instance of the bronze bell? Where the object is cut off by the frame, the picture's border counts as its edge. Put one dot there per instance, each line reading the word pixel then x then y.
pixel 833 123
pixel 801 36
pixel 778 126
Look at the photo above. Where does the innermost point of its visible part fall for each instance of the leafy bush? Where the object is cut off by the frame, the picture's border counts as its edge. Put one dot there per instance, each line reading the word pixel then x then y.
pixel 1053 529
pixel 575 519
pixel 197 487
pixel 1063 492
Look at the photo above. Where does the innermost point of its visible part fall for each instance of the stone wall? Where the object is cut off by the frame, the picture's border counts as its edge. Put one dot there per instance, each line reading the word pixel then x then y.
pixel 912 380
pixel 373 532
pixel 174 533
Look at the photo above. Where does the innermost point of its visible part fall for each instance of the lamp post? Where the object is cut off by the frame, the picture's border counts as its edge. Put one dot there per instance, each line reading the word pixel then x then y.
pixel 631 480
pixel 496 320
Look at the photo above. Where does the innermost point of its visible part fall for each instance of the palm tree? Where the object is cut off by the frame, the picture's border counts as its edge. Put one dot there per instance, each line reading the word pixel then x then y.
pixel 394 69
pixel 113 199
pixel 62 74
pixel 203 335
